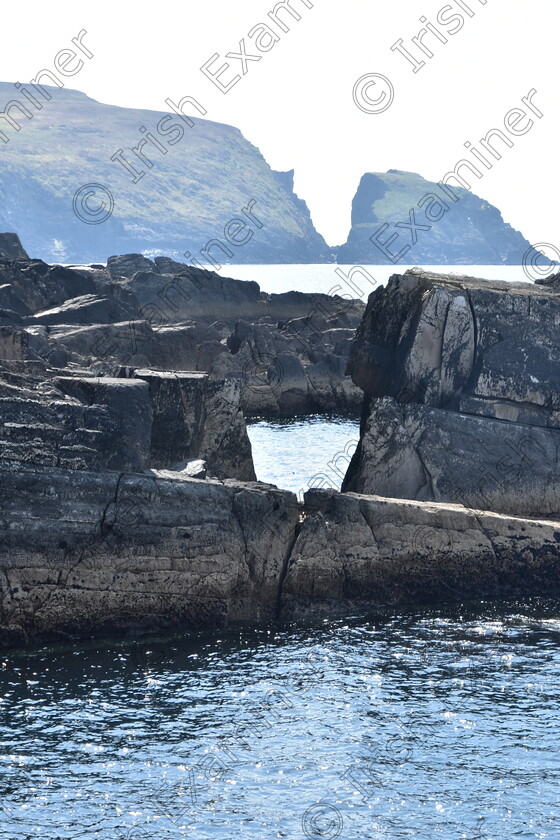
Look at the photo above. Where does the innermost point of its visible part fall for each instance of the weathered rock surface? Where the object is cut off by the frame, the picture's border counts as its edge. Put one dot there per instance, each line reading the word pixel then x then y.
pixel 358 552
pixel 419 452
pixel 289 351
pixel 156 419
pixel 127 499
pixel 197 417
pixel 85 553
pixel 462 393
pixel 89 553
pixel 40 286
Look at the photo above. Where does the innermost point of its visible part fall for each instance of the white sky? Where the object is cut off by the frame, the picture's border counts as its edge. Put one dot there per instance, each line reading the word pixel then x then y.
pixel 296 103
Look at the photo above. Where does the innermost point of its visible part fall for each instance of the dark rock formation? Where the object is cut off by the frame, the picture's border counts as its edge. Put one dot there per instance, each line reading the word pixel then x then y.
pixel 84 553
pixel 194 417
pixel 127 492
pixel 42 287
pixel 468 230
pixel 358 552
pixel 288 351
pixel 157 419
pixel 552 282
pixel 11 247
pixel 70 396
pixel 462 394
pixel 89 553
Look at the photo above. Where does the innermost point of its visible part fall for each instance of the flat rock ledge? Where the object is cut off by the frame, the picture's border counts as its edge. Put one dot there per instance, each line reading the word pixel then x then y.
pixel 85 554
pixel 356 552
pixel 90 553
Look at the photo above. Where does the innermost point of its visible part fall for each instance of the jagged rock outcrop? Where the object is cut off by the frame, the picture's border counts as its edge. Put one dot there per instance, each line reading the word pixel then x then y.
pixel 417 452
pixel 288 351
pixel 462 394
pixel 40 287
pixel 127 499
pixel 155 419
pixel 453 226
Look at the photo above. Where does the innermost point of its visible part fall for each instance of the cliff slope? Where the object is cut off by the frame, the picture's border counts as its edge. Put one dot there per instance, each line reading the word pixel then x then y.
pixel 200 177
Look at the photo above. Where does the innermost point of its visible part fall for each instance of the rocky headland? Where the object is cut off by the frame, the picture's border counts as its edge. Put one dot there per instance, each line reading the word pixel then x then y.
pixel 172 179
pixel 128 499
pixel 172 182
pixel 451 225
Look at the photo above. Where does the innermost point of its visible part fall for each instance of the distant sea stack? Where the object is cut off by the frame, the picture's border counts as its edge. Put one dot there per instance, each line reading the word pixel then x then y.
pixel 454 226
pixel 185 186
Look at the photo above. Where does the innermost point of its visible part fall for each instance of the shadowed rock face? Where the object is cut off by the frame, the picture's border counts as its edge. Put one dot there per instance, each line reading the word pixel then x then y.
pixel 153 420
pixel 69 396
pixel 11 247
pixel 88 553
pixel 127 500
pixel 462 387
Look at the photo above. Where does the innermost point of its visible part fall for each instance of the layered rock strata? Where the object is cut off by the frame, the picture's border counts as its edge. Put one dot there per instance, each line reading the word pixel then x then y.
pixel 462 394
pixel 358 552
pixel 127 501
pixel 288 351
pixel 85 553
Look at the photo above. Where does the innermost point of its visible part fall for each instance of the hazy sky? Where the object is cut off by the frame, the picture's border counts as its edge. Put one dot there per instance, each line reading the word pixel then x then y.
pixel 296 102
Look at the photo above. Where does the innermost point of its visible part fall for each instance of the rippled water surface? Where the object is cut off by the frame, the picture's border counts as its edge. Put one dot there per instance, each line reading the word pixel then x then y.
pixel 423 725
pixel 432 724
pixel 299 454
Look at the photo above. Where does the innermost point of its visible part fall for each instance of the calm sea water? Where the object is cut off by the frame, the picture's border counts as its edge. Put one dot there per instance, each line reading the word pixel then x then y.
pixel 426 724
pixel 306 452
pixel 358 281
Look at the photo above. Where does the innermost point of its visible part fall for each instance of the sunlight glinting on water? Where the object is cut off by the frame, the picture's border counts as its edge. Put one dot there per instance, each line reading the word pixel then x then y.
pixel 435 723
